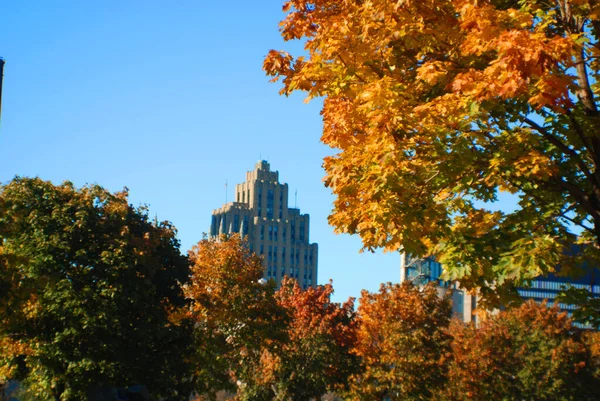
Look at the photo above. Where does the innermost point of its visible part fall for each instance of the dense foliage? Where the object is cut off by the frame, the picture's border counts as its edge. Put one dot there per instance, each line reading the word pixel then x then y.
pixel 527 353
pixel 436 106
pixel 236 316
pixel 319 353
pixel 403 343
pixel 87 288
pixel 93 294
pixel 264 344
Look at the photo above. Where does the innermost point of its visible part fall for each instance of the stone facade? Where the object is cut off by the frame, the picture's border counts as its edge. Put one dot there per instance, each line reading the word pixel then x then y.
pixel 276 232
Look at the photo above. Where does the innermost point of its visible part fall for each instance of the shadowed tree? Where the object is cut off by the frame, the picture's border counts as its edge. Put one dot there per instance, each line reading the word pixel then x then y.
pixel 88 287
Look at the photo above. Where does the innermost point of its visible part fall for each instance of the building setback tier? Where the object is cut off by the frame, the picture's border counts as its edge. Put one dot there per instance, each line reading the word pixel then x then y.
pixel 276 232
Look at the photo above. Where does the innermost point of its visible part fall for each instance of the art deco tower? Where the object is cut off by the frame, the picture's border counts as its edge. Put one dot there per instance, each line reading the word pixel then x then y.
pixel 276 232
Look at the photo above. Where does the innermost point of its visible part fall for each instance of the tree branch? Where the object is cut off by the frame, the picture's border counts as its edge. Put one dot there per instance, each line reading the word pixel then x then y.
pixel 354 72
pixel 566 149
pixel 585 95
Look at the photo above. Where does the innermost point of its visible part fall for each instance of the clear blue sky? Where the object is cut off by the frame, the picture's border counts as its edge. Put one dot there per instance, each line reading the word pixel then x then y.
pixel 167 98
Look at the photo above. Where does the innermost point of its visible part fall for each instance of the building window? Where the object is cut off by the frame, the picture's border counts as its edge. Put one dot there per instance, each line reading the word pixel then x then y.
pixel 243 196
pixel 269 204
pixel 275 254
pixel 262 250
pixel 262 232
pixel 280 205
pixel 236 223
pixel 213 226
pixel 293 230
pixel 245 226
pixel 270 252
pixel 275 229
pixel 301 230
pixel 270 233
pixel 283 254
pixel 259 201
pixel 283 232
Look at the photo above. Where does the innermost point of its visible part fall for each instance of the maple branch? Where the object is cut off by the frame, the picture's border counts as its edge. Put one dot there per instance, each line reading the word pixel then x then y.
pixel 575 25
pixel 570 208
pixel 432 177
pixel 376 70
pixel 354 72
pixel 566 149
pixel 592 147
pixel 584 199
pixel 560 213
pixel 585 95
pixel 580 224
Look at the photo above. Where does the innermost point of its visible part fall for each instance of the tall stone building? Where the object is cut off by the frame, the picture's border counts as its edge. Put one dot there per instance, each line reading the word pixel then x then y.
pixel 275 231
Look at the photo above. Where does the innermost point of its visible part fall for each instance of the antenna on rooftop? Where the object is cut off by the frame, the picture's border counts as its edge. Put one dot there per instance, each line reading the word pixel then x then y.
pixel 1 77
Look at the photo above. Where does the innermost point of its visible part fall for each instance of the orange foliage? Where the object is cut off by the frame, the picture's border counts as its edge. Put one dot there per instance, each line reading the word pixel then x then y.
pixel 403 343
pixel 317 355
pixel 236 317
pixel 433 105
pixel 531 352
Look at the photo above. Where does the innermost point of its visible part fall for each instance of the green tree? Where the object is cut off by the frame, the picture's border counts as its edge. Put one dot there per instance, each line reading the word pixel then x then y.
pixel 437 106
pixel 88 291
pixel 403 343
pixel 527 353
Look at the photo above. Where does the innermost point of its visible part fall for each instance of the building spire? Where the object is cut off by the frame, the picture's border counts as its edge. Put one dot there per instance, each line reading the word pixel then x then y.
pixel 1 78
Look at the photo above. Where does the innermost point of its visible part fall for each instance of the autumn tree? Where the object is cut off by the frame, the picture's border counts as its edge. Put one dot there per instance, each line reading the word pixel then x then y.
pixel 403 343
pixel 318 355
pixel 434 107
pixel 592 342
pixel 236 315
pixel 88 288
pixel 527 353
